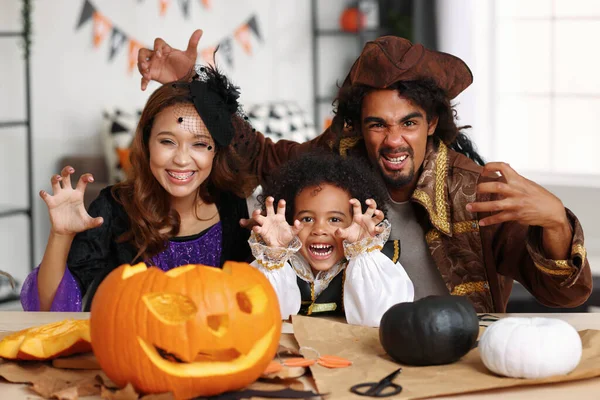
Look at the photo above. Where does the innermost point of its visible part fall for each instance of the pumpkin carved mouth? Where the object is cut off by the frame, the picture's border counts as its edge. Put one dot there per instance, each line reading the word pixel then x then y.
pixel 203 355
pixel 211 363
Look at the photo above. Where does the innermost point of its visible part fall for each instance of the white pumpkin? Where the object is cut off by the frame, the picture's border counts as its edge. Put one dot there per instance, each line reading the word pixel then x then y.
pixel 530 347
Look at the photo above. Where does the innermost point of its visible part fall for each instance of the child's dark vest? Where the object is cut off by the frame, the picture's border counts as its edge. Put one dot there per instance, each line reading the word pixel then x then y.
pixel 329 302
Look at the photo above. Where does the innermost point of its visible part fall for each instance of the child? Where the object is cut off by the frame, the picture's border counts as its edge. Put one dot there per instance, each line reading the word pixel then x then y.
pixel 321 250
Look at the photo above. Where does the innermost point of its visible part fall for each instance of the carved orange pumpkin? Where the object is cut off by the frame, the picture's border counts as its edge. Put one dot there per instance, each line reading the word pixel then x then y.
pixel 192 331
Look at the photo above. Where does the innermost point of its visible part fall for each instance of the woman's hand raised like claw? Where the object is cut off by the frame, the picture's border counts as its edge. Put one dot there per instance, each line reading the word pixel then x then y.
pixel 68 215
pixel 273 227
pixel 363 225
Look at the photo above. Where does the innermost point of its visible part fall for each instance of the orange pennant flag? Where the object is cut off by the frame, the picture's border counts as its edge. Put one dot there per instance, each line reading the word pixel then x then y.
pixel 101 28
pixel 242 34
pixel 164 4
pixel 208 55
pixel 134 48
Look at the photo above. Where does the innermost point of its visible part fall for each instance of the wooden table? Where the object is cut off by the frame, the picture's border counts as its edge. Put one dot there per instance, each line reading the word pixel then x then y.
pixel 580 390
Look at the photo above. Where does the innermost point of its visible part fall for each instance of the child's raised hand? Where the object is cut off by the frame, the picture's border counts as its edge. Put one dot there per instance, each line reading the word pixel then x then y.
pixel 363 225
pixel 68 215
pixel 273 227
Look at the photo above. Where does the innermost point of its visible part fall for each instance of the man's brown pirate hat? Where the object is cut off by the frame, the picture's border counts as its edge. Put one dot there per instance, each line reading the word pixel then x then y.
pixel 390 59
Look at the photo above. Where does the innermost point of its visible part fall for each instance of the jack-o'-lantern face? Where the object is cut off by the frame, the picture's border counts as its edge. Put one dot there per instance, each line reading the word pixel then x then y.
pixel 193 331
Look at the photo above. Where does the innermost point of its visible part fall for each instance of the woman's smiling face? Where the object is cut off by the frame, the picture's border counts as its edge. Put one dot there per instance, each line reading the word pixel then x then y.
pixel 180 158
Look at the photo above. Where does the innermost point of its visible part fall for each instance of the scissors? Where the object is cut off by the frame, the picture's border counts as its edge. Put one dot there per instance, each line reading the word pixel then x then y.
pixel 379 389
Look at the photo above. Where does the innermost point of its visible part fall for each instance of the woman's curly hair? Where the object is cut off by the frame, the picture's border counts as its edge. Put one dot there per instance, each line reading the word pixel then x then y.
pixel 353 175
pixel 425 94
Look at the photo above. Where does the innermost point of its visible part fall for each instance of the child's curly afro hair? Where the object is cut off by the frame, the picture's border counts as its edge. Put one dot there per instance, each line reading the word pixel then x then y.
pixel 353 175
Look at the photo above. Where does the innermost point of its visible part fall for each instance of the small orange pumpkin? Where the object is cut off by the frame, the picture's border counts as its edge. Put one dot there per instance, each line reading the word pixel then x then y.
pixel 192 331
pixel 352 20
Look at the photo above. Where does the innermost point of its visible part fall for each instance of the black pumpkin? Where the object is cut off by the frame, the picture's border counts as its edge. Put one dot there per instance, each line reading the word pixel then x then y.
pixel 434 330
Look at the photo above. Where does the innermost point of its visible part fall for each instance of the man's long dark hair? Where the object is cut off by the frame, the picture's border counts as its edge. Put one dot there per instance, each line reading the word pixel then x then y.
pixel 423 93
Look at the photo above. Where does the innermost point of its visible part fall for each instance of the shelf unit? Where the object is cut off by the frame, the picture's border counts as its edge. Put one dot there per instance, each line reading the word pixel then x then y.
pixel 318 33
pixel 9 210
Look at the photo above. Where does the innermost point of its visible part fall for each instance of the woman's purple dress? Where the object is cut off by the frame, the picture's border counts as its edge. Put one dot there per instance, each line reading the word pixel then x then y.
pixel 205 249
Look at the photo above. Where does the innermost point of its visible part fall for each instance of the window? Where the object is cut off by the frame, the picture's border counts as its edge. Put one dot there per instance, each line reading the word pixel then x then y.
pixel 535 101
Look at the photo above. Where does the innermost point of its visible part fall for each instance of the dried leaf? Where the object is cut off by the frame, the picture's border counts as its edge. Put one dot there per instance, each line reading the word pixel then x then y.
pixel 68 394
pixel 67 390
pixel 78 361
pixel 88 387
pixel 46 387
pixel 127 393
pixel 105 381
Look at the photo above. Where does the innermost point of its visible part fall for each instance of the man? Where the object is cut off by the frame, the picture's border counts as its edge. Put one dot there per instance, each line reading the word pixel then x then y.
pixel 457 227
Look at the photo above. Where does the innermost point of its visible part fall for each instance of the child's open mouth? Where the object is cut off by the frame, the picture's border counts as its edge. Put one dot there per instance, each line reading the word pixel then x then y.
pixel 321 251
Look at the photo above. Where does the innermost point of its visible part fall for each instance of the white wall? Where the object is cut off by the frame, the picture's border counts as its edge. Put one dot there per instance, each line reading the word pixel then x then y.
pixel 73 82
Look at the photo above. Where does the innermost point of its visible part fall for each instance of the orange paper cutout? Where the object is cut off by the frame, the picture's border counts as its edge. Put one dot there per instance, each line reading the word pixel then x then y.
pixel 124 160
pixel 299 362
pixel 330 361
pixel 242 34
pixel 164 4
pixel 101 28
pixel 134 48
pixel 273 368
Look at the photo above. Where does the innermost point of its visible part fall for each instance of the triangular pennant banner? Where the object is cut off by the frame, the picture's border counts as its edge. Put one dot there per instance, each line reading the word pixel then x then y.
pixel 208 55
pixel 253 24
pixel 117 128
pixel 134 48
pixel 164 5
pixel 117 40
pixel 86 13
pixel 226 49
pixel 101 28
pixel 185 7
pixel 206 3
pixel 242 34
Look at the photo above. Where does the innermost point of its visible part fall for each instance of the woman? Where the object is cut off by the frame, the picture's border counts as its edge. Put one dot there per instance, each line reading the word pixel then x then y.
pixel 184 195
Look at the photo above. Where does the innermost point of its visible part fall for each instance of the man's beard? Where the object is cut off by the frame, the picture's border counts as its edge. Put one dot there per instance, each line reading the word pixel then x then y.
pixel 398 179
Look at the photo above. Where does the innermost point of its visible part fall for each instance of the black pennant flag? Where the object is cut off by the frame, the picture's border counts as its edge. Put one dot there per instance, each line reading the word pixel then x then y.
pixel 86 13
pixel 117 40
pixel 226 49
pixel 185 7
pixel 253 25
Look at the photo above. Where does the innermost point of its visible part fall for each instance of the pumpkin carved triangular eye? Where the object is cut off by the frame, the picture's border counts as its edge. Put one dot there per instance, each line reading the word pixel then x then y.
pixel 218 324
pixel 131 270
pixel 170 308
pixel 252 301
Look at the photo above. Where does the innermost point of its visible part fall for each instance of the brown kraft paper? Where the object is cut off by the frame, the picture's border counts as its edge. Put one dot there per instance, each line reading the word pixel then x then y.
pixel 371 363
